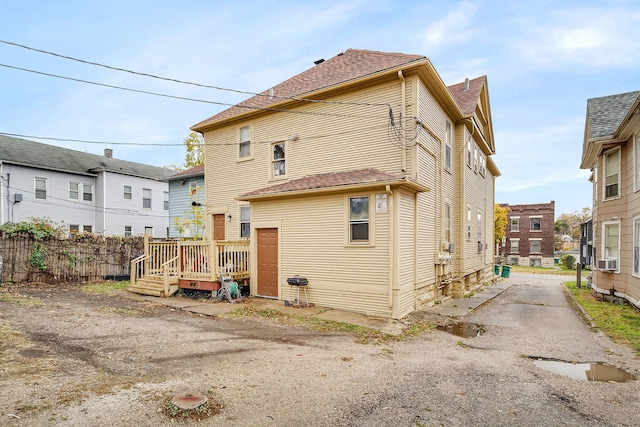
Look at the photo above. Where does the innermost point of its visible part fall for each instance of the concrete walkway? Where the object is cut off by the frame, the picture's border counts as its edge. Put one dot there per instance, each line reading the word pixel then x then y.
pixel 452 308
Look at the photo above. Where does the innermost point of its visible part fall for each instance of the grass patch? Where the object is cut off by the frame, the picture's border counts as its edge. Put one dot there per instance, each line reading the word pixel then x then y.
pixel 12 297
pixel 363 334
pixel 620 322
pixel 104 288
pixel 561 271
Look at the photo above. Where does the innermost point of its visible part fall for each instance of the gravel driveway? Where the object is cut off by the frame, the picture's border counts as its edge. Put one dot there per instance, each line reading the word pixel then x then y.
pixel 80 359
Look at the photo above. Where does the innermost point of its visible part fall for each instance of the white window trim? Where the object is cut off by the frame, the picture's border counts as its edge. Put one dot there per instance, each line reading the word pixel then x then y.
pixel 83 193
pixel 251 148
pixel 636 162
pixel 511 251
pixel 604 180
pixel 604 242
pixel 35 188
pixel 240 221
pixel 150 198
pixel 77 190
pixel 448 146
pixel 535 217
pixel 130 192
pixel 636 244
pixel 272 161
pixel 511 224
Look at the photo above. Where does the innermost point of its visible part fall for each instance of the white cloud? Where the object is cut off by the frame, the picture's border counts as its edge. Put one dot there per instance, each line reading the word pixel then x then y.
pixel 455 28
pixel 595 37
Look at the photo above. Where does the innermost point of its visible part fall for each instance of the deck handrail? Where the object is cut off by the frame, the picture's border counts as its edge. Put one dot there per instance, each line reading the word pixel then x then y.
pixel 169 267
pixel 193 259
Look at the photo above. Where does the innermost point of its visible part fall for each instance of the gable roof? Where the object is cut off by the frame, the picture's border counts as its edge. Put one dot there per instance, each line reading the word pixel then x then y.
pixel 467 99
pixel 605 114
pixel 349 65
pixel 34 154
pixel 331 182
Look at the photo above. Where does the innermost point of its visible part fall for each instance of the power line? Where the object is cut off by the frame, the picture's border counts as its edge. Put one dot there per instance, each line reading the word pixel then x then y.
pixel 204 144
pixel 248 107
pixel 269 95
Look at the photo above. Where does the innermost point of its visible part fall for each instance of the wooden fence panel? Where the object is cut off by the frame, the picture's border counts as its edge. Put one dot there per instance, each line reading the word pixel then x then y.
pixel 81 258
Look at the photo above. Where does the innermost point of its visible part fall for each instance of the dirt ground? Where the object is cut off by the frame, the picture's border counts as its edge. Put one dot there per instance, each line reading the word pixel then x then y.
pixel 71 358
pixel 68 357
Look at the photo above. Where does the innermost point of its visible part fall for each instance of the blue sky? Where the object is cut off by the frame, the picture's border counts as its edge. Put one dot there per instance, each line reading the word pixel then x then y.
pixel 543 60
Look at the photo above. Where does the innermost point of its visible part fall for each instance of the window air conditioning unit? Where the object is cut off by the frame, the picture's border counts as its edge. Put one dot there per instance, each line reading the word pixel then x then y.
pixel 609 264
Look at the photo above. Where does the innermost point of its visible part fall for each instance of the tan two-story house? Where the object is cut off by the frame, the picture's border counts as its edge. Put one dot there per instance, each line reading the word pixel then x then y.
pixel 611 150
pixel 366 175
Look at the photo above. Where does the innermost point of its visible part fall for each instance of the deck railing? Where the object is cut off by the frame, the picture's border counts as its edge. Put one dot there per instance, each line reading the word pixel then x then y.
pixel 193 259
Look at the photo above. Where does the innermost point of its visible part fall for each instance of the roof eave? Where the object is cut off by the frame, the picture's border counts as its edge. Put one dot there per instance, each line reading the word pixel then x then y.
pixel 393 71
pixel 336 189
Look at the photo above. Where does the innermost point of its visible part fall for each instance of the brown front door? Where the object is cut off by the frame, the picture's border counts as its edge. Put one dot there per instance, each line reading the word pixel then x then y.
pixel 218 227
pixel 268 262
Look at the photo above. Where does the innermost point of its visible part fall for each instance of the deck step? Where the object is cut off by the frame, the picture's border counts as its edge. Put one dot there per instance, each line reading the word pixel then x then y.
pixel 152 287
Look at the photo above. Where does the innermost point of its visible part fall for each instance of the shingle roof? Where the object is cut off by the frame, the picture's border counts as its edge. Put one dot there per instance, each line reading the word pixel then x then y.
pixel 349 65
pixel 325 181
pixel 194 171
pixel 606 113
pixel 468 99
pixel 35 154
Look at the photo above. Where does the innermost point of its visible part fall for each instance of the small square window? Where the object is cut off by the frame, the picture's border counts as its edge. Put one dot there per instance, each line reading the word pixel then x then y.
pixel 127 230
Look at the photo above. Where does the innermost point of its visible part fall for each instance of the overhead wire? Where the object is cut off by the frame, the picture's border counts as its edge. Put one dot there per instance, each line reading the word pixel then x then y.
pixel 269 94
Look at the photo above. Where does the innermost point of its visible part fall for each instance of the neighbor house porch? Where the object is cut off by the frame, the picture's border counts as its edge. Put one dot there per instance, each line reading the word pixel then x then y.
pixel 168 265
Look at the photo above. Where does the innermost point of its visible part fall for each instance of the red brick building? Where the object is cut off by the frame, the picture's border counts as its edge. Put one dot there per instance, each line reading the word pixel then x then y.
pixel 529 235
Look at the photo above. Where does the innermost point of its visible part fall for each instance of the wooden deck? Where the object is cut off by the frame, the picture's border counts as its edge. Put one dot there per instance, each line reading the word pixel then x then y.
pixel 167 263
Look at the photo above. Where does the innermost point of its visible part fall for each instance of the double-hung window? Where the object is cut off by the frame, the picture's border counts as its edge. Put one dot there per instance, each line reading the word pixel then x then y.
pixel 611 240
pixel 636 246
pixel 515 246
pixel 41 188
pixel 447 146
pixel 515 223
pixel 87 192
pixel 127 192
pixel 146 198
pixel 278 160
pixel 612 174
pixel 469 151
pixel 535 246
pixel 359 219
pixel 245 142
pixel 636 162
pixel 74 190
pixel 447 222
pixel 166 200
pixel 245 218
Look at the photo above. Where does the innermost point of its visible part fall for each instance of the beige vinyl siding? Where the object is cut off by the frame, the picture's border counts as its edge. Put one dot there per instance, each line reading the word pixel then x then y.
pixel 626 207
pixel 314 245
pixel 432 173
pixel 426 227
pixel 406 256
pixel 334 142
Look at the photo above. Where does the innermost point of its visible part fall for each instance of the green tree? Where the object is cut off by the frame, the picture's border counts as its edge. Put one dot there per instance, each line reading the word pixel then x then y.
pixel 500 221
pixel 194 156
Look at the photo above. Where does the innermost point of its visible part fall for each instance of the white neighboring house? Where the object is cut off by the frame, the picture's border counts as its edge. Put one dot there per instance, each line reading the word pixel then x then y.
pixel 84 192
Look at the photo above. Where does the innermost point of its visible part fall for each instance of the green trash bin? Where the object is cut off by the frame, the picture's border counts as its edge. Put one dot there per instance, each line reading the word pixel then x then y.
pixel 505 271
pixel 496 269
